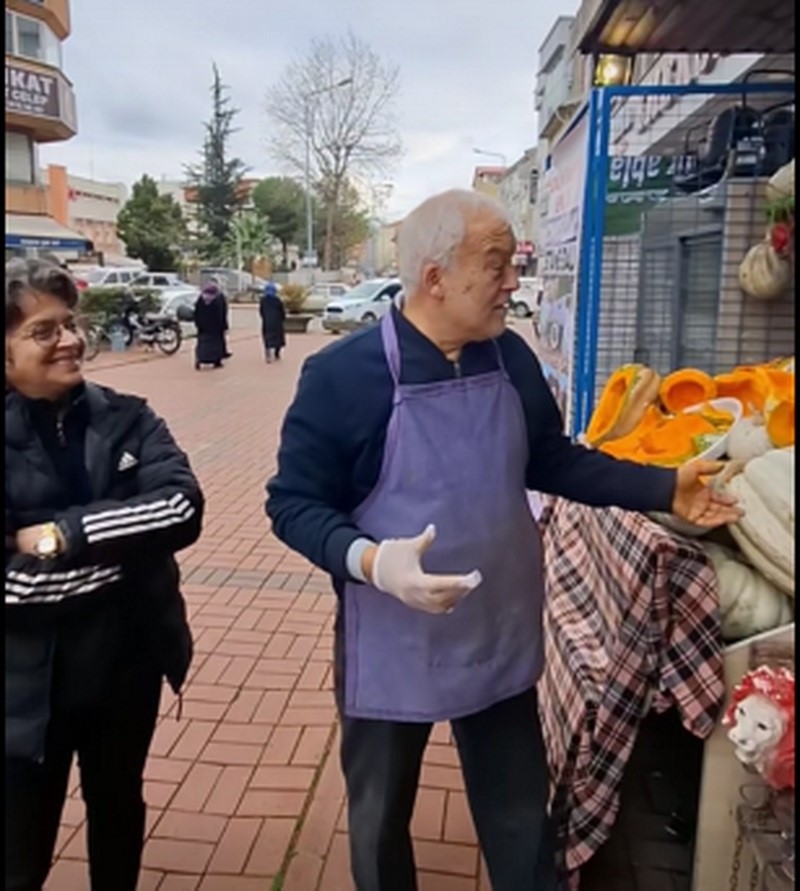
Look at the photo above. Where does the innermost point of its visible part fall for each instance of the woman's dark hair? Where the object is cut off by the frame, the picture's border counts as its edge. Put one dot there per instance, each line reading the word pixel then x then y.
pixel 25 276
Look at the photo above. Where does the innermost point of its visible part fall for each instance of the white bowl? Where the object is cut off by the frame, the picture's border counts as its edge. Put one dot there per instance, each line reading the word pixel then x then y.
pixel 725 403
pixel 710 454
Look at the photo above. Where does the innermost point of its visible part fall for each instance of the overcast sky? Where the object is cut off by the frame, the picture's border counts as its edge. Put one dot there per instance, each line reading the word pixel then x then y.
pixel 142 72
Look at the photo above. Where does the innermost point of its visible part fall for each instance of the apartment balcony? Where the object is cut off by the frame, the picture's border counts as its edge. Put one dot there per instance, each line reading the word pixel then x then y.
pixel 54 13
pixel 39 100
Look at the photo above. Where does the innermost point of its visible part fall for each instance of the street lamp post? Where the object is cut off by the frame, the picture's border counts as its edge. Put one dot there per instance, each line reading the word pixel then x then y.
pixel 310 261
pixel 499 155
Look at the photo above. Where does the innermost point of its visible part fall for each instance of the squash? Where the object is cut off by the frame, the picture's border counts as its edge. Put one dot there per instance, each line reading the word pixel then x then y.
pixel 685 388
pixel 747 384
pixel 675 440
pixel 763 273
pixel 765 534
pixel 779 416
pixel 625 398
pixel 748 439
pixel 626 446
pixel 779 406
pixel 722 420
pixel 749 604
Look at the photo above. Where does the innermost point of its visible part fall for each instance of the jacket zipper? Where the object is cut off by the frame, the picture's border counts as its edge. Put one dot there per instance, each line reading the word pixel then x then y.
pixel 62 439
pixel 457 368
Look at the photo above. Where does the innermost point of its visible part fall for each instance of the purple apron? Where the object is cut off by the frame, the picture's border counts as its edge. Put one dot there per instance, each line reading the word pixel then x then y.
pixel 456 453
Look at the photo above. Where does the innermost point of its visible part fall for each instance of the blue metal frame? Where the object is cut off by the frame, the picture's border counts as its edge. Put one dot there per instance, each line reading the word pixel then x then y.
pixel 593 226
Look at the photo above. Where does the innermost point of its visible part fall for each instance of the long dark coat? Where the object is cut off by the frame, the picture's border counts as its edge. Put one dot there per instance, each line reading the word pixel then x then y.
pixel 211 319
pixel 273 314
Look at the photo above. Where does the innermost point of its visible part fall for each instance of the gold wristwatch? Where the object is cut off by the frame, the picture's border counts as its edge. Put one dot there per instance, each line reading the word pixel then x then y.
pixel 48 544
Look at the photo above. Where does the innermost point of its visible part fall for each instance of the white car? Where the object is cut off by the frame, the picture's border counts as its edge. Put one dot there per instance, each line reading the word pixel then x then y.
pixel 159 281
pixel 171 298
pixel 361 305
pixel 322 293
pixel 108 277
pixel 525 301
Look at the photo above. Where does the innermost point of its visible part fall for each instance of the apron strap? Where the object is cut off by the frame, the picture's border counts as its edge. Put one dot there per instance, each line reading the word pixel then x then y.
pixel 391 347
pixel 500 361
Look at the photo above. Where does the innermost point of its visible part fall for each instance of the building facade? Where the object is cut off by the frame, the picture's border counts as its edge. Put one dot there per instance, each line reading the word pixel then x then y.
pixel 40 108
pixel 486 180
pixel 518 192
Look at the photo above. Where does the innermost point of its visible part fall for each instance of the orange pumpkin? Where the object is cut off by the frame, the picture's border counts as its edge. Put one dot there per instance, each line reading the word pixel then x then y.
pixel 686 387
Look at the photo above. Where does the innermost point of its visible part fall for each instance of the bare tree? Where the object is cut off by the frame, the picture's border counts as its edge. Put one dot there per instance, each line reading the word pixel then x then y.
pixel 332 115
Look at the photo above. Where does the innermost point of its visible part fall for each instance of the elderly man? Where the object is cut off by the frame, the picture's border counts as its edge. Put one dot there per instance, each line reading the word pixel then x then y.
pixel 413 442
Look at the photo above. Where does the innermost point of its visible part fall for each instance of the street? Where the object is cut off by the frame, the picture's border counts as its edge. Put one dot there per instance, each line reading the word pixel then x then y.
pixel 244 793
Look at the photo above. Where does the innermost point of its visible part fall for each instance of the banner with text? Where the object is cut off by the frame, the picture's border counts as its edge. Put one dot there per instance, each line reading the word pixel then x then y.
pixel 554 325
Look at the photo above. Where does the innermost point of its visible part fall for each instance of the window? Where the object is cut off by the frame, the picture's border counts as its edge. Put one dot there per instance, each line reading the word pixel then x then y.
pixel 29 38
pixel 19 158
pixel 112 278
pixel 32 39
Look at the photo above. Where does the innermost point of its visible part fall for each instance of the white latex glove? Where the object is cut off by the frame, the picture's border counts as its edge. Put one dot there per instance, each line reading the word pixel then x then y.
pixel 397 571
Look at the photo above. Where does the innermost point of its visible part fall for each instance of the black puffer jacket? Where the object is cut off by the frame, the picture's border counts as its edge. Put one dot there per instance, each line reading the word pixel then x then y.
pixel 110 604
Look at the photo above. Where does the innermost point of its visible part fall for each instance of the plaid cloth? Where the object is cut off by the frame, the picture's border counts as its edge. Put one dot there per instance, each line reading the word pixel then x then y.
pixel 631 622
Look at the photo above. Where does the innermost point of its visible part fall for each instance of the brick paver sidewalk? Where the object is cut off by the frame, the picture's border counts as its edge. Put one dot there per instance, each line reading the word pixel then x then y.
pixel 244 792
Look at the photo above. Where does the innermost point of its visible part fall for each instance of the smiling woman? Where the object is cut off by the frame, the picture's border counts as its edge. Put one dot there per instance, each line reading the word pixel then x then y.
pixel 99 497
pixel 43 345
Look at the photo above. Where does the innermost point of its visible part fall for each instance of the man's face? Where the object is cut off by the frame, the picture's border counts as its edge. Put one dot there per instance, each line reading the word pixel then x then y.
pixel 480 279
pixel 44 351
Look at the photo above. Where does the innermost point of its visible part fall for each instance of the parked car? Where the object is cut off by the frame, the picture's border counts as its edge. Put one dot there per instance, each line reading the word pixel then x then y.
pixel 159 281
pixel 361 305
pixel 107 277
pixel 525 301
pixel 178 303
pixel 322 293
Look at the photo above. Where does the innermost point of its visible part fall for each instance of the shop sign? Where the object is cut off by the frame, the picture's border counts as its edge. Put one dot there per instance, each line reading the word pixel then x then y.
pixel 29 92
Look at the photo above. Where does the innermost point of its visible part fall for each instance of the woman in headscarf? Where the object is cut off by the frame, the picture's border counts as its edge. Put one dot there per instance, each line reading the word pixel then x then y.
pixel 273 314
pixel 211 319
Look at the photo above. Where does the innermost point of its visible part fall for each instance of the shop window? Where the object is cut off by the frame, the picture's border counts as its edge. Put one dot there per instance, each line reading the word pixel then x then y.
pixel 19 158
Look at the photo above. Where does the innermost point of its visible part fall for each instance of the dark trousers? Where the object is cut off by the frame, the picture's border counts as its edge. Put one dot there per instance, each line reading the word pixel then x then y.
pixel 111 740
pixel 505 771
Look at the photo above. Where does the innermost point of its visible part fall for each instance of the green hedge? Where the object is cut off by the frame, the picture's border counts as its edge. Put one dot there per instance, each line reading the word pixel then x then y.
pixel 105 303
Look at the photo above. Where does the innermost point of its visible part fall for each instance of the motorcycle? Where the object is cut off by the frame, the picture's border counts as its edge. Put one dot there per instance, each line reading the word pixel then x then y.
pixel 151 330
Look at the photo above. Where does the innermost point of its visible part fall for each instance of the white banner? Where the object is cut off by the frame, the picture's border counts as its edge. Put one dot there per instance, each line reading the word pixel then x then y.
pixel 554 331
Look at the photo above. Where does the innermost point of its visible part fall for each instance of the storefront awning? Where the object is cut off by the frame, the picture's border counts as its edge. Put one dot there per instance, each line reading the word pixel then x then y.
pixel 675 26
pixel 29 231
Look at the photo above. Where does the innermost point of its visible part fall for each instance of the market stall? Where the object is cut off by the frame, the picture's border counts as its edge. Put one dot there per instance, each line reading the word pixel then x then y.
pixel 640 610
pixel 631 622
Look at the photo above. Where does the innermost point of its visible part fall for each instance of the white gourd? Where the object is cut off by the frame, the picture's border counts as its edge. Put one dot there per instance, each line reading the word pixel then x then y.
pixel 748 439
pixel 774 482
pixel 749 604
pixel 765 541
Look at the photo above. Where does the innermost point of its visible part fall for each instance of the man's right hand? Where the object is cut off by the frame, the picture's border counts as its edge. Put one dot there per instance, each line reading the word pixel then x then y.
pixel 394 567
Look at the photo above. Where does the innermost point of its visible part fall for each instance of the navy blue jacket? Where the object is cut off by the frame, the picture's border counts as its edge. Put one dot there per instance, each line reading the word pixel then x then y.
pixel 333 438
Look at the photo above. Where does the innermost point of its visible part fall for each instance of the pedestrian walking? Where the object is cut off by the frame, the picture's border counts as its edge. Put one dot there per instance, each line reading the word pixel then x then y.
pixel 273 314
pixel 211 320
pixel 98 499
pixel 402 471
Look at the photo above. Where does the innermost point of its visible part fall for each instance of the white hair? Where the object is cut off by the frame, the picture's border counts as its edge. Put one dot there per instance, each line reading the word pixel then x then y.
pixel 434 230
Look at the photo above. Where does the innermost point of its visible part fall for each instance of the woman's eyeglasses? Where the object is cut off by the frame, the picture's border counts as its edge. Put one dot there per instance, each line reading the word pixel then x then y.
pixel 48 334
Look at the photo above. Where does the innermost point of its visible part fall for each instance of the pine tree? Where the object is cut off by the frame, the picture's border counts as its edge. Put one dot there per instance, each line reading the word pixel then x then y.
pixel 217 178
